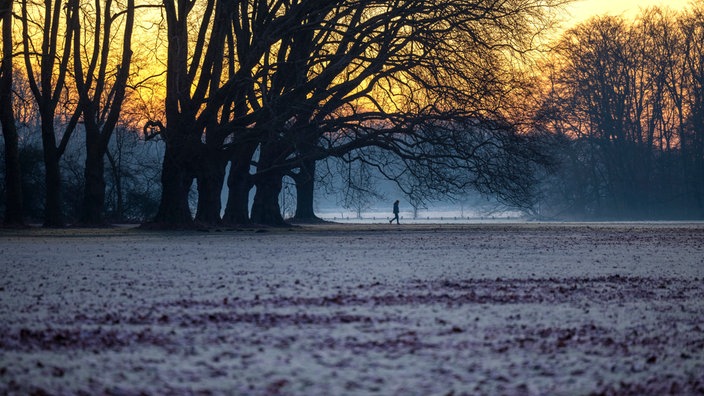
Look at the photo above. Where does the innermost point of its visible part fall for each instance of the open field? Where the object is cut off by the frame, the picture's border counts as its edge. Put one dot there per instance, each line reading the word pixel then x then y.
pixel 530 308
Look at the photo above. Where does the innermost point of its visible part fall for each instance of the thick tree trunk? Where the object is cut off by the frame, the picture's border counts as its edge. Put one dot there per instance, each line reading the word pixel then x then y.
pixel 211 177
pixel 14 210
pixel 268 181
pixel 305 191
pixel 53 216
pixel 176 181
pixel 265 207
pixel 94 192
pixel 239 184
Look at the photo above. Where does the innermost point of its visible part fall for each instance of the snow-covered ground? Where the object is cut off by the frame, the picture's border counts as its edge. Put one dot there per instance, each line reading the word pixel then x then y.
pixel 355 309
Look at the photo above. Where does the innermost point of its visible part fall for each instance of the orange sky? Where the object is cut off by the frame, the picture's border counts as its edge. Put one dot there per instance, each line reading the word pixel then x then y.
pixel 581 10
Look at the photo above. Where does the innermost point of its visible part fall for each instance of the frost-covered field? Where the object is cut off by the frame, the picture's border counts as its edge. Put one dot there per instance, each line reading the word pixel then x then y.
pixel 367 309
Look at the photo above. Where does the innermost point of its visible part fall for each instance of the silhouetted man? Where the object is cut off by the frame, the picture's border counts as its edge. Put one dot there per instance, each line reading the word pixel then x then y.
pixel 395 213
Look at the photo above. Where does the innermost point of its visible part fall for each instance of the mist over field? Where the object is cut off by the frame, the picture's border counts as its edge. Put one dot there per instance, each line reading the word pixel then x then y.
pixel 494 308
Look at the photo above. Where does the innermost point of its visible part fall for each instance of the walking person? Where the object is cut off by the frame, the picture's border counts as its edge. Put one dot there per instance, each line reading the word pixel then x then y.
pixel 395 213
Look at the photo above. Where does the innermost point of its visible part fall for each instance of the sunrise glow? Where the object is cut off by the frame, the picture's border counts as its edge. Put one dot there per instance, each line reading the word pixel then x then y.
pixel 582 10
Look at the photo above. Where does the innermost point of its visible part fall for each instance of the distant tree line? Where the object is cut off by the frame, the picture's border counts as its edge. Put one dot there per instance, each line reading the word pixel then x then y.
pixel 624 103
pixel 432 95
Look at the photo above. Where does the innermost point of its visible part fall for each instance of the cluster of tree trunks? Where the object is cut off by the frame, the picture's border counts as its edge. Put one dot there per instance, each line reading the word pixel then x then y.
pixel 312 80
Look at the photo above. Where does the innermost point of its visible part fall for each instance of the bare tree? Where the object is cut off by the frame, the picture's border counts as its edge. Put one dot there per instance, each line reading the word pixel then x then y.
pixel 210 98
pixel 264 102
pixel 183 140
pixel 14 211
pixel 51 57
pixel 195 95
pixel 421 62
pixel 101 96
pixel 359 190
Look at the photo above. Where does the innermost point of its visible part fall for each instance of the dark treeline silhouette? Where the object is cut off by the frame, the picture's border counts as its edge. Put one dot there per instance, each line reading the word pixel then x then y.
pixel 422 90
pixel 425 93
pixel 626 110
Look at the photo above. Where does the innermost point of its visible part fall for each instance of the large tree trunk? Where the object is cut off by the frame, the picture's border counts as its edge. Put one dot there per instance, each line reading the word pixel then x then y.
pixel 211 176
pixel 53 216
pixel 176 181
pixel 265 207
pixel 94 192
pixel 268 181
pixel 305 191
pixel 14 208
pixel 239 183
pixel 13 174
